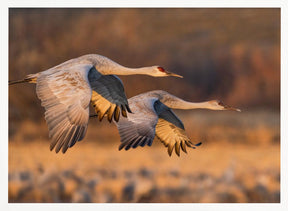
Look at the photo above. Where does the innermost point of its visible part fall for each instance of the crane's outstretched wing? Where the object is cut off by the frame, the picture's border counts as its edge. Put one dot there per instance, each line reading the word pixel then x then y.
pixel 170 130
pixel 138 129
pixel 65 94
pixel 108 96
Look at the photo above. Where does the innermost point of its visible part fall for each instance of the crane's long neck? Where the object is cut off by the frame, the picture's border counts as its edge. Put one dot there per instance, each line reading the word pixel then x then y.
pixel 108 67
pixel 189 105
pixel 177 103
pixel 121 70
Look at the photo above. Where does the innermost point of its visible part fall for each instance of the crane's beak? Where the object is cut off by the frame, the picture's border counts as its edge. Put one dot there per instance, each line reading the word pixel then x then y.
pixel 226 107
pixel 231 108
pixel 174 74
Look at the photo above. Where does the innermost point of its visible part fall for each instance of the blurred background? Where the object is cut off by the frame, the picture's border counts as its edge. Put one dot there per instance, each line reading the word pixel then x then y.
pixel 228 54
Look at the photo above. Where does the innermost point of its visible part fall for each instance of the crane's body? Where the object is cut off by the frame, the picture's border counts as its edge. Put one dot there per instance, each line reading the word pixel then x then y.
pixel 67 89
pixel 153 116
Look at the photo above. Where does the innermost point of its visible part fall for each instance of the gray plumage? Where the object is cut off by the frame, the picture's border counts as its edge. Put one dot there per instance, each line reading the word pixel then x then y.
pixel 153 116
pixel 67 89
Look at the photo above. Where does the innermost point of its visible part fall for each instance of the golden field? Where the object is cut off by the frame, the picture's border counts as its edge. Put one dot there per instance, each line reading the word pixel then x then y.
pixel 223 169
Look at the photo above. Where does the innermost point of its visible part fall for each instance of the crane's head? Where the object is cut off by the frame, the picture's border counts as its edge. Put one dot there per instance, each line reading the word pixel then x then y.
pixel 158 71
pixel 219 105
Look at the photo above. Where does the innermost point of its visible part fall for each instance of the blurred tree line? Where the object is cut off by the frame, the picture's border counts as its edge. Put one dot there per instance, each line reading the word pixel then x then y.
pixel 228 54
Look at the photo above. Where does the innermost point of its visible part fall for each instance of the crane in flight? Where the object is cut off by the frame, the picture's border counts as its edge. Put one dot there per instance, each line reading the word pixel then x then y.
pixel 67 89
pixel 153 116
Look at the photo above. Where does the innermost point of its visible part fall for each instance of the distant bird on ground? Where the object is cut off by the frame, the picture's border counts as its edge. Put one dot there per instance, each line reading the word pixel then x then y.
pixel 67 89
pixel 152 115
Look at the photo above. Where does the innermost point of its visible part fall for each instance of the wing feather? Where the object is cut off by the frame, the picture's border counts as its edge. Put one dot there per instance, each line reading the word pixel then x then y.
pixel 170 131
pixel 108 96
pixel 138 129
pixel 65 94
pixel 136 143
pixel 172 137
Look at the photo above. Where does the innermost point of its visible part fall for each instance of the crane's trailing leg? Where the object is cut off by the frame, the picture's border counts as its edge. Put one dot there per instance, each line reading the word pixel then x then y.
pixel 93 115
pixel 32 78
pixel 18 81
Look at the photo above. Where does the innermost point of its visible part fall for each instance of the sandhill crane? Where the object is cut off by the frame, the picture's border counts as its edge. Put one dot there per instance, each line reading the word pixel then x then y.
pixel 67 89
pixel 152 115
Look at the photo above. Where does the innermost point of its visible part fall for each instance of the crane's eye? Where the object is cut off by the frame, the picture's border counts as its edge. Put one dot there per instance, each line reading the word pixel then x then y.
pixel 221 103
pixel 161 69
